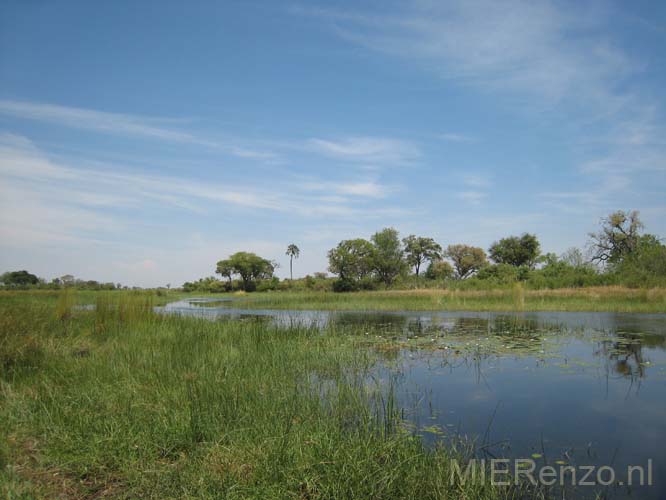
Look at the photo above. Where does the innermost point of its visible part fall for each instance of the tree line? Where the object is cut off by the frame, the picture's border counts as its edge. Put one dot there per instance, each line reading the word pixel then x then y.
pixel 23 279
pixel 619 253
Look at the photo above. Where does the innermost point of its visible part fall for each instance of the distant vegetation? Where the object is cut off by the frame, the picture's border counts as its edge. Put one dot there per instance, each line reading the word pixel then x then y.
pixel 25 280
pixel 619 253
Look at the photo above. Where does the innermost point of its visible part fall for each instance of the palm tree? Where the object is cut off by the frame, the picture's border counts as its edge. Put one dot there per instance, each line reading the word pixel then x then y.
pixel 293 252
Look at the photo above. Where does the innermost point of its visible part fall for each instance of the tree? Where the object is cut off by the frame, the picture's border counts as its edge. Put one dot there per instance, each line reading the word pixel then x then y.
pixel 68 280
pixel 645 265
pixel 439 270
pixel 516 251
pixel 19 278
pixel 248 266
pixel 351 260
pixel 293 252
pixel 466 259
pixel 419 250
pixel 618 237
pixel 574 257
pixel 389 256
pixel 225 269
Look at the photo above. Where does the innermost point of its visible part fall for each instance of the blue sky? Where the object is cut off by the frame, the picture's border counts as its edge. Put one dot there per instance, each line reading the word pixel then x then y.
pixel 141 142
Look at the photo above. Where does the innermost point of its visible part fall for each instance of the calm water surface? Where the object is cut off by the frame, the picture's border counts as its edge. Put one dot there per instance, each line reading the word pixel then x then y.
pixel 578 388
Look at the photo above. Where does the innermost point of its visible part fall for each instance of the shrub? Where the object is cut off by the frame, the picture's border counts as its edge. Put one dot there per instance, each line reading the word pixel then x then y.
pixel 343 285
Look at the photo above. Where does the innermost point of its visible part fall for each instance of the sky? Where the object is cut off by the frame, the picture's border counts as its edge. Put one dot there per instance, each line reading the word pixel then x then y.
pixel 141 142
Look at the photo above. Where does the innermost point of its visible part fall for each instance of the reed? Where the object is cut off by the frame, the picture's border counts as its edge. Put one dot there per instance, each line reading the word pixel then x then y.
pixel 127 404
pixel 517 298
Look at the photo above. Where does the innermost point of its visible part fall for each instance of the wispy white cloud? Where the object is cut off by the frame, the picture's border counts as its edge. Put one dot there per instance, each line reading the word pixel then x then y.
pixel 476 188
pixel 368 150
pixel 120 124
pixel 536 48
pixel 452 137
pixel 473 197
pixel 601 196
pixel 87 199
pixel 480 181
pixel 542 56
pixel 634 143
pixel 366 189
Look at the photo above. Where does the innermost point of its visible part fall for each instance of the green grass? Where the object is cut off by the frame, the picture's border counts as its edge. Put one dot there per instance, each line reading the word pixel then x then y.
pixel 124 403
pixel 612 299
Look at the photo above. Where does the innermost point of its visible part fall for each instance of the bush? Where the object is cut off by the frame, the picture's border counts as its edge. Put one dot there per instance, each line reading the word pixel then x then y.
pixel 267 285
pixel 501 274
pixel 343 285
pixel 645 268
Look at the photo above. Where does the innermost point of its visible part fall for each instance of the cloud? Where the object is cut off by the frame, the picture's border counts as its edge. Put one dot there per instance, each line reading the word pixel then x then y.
pixel 477 180
pixel 118 124
pixel 20 160
pixel 602 193
pixel 534 57
pixel 369 150
pixel 43 199
pixel 535 48
pixel 473 197
pixel 369 189
pixel 450 137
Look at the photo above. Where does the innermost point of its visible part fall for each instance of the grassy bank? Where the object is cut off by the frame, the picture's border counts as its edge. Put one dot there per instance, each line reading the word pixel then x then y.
pixel 613 299
pixel 121 402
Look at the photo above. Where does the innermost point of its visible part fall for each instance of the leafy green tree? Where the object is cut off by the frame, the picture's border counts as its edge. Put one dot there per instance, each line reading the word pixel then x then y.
pixel 439 270
pixel 618 237
pixel 516 250
pixel 19 278
pixel 645 265
pixel 226 270
pixel 292 252
pixel 502 274
pixel 466 259
pixel 388 256
pixel 248 266
pixel 419 250
pixel 351 260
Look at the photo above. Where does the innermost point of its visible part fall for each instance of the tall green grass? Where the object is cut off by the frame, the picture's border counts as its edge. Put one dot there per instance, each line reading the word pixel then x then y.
pixel 122 402
pixel 516 298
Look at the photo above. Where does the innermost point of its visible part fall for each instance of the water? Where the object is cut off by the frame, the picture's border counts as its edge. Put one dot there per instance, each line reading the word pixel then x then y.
pixel 573 388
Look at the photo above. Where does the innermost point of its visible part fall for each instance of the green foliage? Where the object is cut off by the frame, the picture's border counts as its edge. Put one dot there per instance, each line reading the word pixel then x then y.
pixel 249 266
pixel 11 278
pixel 18 279
pixel 268 284
pixel 23 280
pixel 466 259
pixel 501 274
pixel 419 250
pixel 292 252
pixel 388 258
pixel 439 270
pixel 173 407
pixel 345 285
pixel 516 251
pixel 209 285
pixel 645 266
pixel 351 260
pixel 618 237
pixel 471 295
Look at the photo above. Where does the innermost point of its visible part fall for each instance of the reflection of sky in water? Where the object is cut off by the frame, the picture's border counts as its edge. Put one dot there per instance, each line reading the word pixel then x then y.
pixel 586 388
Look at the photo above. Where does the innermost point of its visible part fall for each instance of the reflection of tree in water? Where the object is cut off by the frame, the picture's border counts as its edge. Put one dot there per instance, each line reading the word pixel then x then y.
pixel 625 352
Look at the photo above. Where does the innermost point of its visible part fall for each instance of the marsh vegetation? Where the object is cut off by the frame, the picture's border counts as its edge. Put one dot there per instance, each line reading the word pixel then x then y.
pixel 105 394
